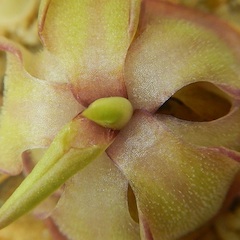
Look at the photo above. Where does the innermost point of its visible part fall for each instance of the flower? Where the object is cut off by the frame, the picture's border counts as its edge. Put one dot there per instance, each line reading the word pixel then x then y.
pixel 161 177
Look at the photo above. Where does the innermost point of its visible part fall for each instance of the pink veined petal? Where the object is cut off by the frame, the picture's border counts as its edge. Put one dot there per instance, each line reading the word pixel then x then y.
pixel 94 205
pixel 33 111
pixel 178 47
pixel 178 186
pixel 91 38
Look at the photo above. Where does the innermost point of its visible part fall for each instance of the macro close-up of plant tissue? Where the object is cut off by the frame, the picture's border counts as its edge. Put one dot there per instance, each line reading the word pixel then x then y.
pixel 120 119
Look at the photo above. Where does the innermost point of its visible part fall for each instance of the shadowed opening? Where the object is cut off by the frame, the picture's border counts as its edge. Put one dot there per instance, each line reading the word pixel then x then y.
pixel 132 204
pixel 200 102
pixel 8 185
pixel 2 73
pixel 235 205
pixel 30 158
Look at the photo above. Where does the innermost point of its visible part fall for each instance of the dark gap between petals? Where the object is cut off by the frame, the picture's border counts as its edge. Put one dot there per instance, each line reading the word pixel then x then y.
pixel 235 204
pixel 198 102
pixel 30 158
pixel 8 186
pixel 132 204
pixel 2 75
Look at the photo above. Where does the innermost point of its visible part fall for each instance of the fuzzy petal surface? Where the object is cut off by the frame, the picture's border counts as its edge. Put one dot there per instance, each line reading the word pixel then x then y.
pixel 178 186
pixel 91 38
pixel 33 112
pixel 209 134
pixel 94 205
pixel 174 50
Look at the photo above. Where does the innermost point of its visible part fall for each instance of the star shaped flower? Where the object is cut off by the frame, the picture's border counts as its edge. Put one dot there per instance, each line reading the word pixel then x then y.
pixel 118 97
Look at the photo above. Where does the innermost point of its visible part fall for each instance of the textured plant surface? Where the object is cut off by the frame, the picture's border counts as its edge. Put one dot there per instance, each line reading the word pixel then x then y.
pixel 163 164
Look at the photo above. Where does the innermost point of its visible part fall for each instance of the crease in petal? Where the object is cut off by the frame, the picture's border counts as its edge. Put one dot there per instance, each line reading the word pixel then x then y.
pixel 93 49
pixel 96 197
pixel 46 66
pixel 178 186
pixel 42 64
pixel 33 111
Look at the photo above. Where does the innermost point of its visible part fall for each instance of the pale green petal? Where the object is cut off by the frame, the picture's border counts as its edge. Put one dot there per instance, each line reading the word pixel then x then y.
pixel 91 38
pixel 222 132
pixel 178 186
pixel 33 111
pixel 94 205
pixel 175 50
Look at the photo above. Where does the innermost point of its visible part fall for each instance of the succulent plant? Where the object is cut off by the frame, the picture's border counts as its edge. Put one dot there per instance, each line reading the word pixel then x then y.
pixel 137 104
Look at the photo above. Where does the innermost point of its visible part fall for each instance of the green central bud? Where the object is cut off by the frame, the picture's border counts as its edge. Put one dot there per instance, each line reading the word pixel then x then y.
pixel 111 112
pixel 75 146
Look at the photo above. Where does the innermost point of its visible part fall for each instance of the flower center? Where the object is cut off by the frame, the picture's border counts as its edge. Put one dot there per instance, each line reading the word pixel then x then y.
pixel 110 112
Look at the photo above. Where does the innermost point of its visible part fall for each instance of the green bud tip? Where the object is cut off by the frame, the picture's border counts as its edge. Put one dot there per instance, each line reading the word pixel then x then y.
pixel 110 112
pixel 61 159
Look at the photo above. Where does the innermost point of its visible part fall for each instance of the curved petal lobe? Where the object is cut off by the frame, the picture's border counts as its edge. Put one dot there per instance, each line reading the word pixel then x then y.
pixel 209 134
pixel 174 51
pixel 33 112
pixel 178 186
pixel 94 205
pixel 92 39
